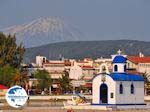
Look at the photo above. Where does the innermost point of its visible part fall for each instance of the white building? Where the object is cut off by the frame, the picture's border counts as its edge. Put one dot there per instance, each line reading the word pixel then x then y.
pixel 40 60
pixel 139 63
pixel 54 66
pixel 84 62
pixel 75 72
pixel 119 87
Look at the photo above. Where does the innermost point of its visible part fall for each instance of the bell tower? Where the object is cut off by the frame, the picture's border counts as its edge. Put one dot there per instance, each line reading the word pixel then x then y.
pixel 119 64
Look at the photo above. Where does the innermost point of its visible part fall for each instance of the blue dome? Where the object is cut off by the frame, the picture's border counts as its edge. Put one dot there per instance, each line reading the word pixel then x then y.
pixel 119 59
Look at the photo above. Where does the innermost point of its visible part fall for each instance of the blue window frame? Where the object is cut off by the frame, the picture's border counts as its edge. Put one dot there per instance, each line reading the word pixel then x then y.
pixel 132 89
pixel 121 89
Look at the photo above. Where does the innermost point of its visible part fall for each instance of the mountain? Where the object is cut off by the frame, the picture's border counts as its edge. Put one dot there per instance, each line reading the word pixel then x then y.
pixel 43 31
pixel 81 49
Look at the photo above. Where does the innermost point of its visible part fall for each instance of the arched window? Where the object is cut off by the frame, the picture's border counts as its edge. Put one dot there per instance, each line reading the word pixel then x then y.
pixel 115 68
pixel 125 67
pixel 132 89
pixel 121 89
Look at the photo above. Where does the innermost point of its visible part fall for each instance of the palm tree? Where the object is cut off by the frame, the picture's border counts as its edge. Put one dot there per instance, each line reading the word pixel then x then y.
pixel 146 83
pixel 20 79
pixel 44 80
pixel 64 82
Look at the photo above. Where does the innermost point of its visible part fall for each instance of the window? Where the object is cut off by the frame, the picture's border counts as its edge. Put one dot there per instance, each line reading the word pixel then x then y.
pixel 132 89
pixel 115 68
pixel 121 89
pixel 111 95
pixel 125 67
pixel 44 60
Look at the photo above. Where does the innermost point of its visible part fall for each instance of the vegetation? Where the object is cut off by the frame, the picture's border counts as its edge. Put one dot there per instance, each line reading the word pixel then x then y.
pixel 10 53
pixel 65 84
pixel 44 80
pixel 7 74
pixel 146 83
pixel 94 49
pixel 11 57
pixel 145 75
pixel 20 79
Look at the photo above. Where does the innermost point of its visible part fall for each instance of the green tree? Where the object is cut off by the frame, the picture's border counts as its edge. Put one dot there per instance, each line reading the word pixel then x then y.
pixel 12 76
pixel 44 80
pixel 10 53
pixel 65 84
pixel 20 79
pixel 11 56
pixel 7 75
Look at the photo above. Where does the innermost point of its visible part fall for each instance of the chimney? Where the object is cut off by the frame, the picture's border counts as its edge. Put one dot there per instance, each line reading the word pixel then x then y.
pixel 141 54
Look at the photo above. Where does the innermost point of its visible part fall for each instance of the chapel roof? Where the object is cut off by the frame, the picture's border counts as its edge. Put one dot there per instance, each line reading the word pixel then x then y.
pixel 126 77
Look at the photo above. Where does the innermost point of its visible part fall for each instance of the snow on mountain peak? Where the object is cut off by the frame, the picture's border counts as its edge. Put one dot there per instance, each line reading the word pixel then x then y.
pixel 43 31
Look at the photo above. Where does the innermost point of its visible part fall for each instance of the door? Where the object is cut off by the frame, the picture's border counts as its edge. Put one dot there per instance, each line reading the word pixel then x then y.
pixel 103 93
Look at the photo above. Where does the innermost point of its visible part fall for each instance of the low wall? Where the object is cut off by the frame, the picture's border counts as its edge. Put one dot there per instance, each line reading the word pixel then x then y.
pixel 63 97
pixel 147 98
pixel 56 97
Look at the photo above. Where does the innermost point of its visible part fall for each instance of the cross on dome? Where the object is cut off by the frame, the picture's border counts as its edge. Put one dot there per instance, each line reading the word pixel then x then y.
pixel 119 52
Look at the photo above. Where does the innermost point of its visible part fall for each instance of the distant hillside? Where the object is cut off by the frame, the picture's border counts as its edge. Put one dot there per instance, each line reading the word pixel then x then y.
pixel 94 49
pixel 43 31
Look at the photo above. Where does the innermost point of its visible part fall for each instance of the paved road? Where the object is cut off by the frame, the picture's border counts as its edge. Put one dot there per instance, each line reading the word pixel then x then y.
pixel 50 109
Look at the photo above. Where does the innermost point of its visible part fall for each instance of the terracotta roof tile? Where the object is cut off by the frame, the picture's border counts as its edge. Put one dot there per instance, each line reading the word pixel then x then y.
pixel 137 59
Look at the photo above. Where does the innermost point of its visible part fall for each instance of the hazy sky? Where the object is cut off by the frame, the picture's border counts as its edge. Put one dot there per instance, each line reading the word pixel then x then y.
pixel 97 19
